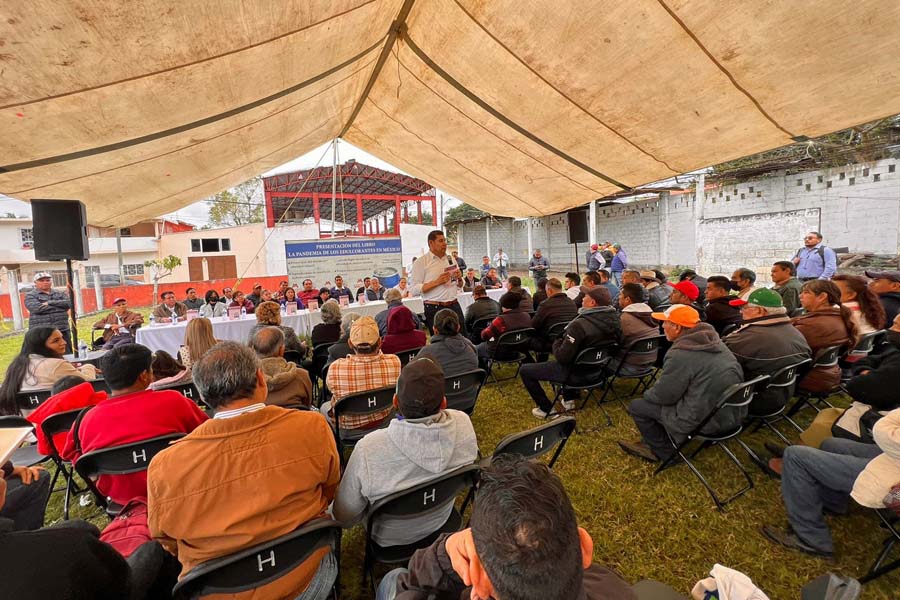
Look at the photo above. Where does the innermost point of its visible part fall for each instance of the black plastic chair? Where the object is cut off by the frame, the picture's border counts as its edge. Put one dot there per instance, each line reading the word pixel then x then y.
pixel 478 326
pixel 736 396
pixel 462 390
pixel 294 357
pixel 586 373
pixel 407 355
pixel 865 346
pixel 646 347
pixel 828 357
pixel 55 424
pixel 728 329
pixel 261 564
pixel 538 441
pixel 99 385
pixel 120 460
pixel 512 347
pixel 317 363
pixel 189 391
pixel 32 399
pixel 891 522
pixel 785 378
pixel 360 404
pixel 556 330
pixel 421 499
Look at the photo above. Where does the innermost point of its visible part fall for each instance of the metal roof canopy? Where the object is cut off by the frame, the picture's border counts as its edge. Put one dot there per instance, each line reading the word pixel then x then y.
pixel 141 108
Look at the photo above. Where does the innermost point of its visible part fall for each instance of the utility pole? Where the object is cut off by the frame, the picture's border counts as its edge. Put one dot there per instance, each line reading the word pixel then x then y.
pixel 119 256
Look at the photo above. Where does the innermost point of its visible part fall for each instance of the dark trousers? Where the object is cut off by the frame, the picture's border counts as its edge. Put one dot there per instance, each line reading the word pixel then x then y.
pixel 26 504
pixel 648 418
pixel 532 376
pixel 433 309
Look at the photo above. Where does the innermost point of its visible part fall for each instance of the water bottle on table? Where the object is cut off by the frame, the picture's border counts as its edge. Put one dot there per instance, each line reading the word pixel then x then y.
pixel 152 320
pixel 243 312
pixel 82 349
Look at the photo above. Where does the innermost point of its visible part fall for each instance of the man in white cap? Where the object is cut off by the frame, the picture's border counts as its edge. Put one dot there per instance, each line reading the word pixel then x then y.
pixel 48 307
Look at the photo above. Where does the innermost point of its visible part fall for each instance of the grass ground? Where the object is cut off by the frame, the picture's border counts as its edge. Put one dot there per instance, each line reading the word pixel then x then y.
pixel 664 527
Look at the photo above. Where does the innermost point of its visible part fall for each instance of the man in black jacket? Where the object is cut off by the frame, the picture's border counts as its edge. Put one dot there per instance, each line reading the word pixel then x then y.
pixel 557 308
pixel 874 381
pixel 719 312
pixel 597 324
pixel 483 307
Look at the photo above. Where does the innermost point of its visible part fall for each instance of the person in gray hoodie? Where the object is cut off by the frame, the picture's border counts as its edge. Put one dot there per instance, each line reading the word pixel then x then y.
pixel 425 442
pixel 451 351
pixel 697 370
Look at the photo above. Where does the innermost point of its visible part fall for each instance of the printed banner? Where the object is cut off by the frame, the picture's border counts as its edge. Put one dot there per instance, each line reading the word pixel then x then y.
pixel 353 259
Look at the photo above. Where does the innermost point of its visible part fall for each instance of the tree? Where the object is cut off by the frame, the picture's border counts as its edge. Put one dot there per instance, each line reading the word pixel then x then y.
pixel 160 268
pixel 240 205
pixel 457 214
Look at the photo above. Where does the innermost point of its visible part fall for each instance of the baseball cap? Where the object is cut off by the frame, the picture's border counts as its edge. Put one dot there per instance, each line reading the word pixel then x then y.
pixel 364 332
pixel 42 275
pixel 257 285
pixel 119 299
pixel 649 275
pixel 890 275
pixel 762 297
pixel 420 388
pixel 688 288
pixel 598 293
pixel 680 314
pixel 595 247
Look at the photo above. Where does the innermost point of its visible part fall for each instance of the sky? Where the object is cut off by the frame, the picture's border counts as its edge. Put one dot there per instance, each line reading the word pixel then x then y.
pixel 198 213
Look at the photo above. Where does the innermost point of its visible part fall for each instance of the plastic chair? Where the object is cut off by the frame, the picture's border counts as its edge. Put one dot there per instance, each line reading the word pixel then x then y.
pixel 512 347
pixel 586 373
pixel 646 347
pixel 538 441
pixel 360 404
pixel 462 390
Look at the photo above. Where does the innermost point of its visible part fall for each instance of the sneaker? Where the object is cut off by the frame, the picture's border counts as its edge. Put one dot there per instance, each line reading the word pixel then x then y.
pixel 537 412
pixel 639 449
pixel 568 405
pixel 791 540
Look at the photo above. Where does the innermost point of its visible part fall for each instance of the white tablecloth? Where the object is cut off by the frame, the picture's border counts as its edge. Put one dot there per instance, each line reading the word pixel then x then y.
pixel 170 337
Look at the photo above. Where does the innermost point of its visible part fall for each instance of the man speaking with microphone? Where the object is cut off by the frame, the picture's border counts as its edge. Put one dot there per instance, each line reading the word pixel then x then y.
pixel 437 278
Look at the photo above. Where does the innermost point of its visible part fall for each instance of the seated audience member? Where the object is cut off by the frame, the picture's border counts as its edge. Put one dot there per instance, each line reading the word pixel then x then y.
pixel 266 296
pixel 198 338
pixel 374 291
pixel 742 282
pixel 168 372
pixel 38 365
pixel 766 343
pixel 342 348
pixel 192 302
pixel 606 282
pixel 719 311
pixel 588 281
pixel 69 393
pixel 227 295
pixel 634 276
pixel 362 286
pixel 685 292
pixel 514 285
pixel 403 288
pixel 324 295
pixel 866 310
pixel 448 348
pixel 698 280
pixel 329 330
pixel 283 287
pixel 491 281
pixel 637 324
pixel 367 369
pixel 170 309
pixel 402 333
pixel 816 479
pixel 309 292
pixel 340 289
pixel 289 298
pixel 427 442
pixel 287 383
pixel 572 285
pixel 524 542
pixel 268 314
pixel 485 265
pixel 541 294
pixel 256 295
pixel 658 294
pixel 240 301
pixel 132 413
pixel 394 299
pixel 511 317
pixel 213 306
pixel 557 308
pixel 825 324
pixel 470 280
pixel 482 307
pixel 597 324
pixel 119 325
pixel 23 498
pixel 697 370
pixel 784 276
pixel 265 469
pixel 886 285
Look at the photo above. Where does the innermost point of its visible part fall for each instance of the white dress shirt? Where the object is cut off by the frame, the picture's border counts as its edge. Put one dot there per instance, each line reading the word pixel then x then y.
pixel 428 268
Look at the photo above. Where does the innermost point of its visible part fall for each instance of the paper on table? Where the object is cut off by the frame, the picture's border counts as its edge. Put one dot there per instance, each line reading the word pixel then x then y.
pixel 10 440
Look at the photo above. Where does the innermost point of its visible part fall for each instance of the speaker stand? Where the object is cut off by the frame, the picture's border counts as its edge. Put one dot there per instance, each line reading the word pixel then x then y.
pixel 73 330
pixel 577 267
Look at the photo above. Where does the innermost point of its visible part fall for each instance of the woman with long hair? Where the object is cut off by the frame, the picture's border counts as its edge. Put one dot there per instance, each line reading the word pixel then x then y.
pixel 198 339
pixel 868 313
pixel 290 297
pixel 213 305
pixel 167 371
pixel 268 314
pixel 826 323
pixel 38 365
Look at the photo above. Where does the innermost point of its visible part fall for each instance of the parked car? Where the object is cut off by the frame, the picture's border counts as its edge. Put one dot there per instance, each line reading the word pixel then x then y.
pixel 111 280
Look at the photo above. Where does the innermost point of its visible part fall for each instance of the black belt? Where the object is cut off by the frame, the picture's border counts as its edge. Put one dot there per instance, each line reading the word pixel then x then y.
pixel 435 303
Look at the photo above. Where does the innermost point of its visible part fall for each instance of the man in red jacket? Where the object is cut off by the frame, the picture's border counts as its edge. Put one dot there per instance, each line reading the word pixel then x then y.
pixel 132 413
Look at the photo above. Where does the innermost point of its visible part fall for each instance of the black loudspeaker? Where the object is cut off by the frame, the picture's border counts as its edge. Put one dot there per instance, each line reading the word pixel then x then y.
pixel 578 226
pixel 60 230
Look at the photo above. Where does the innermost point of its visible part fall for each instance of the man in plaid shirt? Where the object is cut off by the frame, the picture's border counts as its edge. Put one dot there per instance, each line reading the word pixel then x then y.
pixel 367 369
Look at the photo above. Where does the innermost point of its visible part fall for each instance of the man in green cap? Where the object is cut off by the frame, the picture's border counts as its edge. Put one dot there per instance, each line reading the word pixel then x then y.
pixel 766 342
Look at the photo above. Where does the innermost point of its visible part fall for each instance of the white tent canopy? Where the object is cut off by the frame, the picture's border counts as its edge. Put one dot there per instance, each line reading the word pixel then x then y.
pixel 520 107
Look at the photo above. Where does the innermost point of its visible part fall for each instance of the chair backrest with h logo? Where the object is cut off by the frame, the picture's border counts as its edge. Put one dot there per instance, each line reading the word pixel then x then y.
pixel 539 440
pixel 406 355
pixel 462 390
pixel 427 496
pixel 259 565
pixel 31 400
pixel 363 403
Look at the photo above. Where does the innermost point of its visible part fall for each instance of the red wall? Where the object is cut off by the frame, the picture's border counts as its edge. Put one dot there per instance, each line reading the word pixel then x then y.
pixel 141 295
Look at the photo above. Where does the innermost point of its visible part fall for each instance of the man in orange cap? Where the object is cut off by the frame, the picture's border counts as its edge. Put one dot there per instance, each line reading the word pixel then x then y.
pixel 696 372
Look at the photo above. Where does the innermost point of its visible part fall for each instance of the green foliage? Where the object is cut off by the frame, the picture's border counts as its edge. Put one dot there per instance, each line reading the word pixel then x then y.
pixel 463 212
pixel 240 205
pixel 163 267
